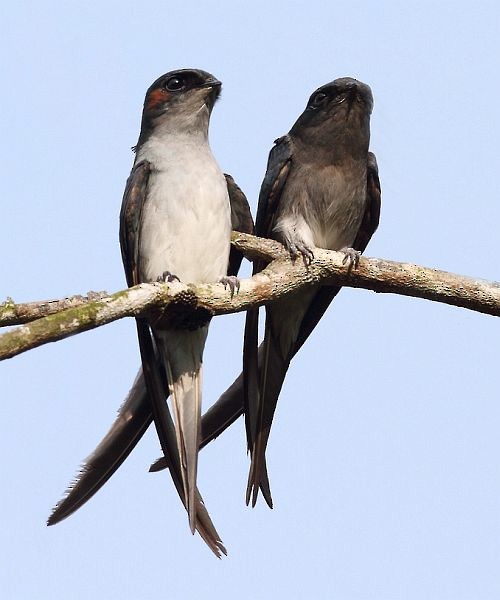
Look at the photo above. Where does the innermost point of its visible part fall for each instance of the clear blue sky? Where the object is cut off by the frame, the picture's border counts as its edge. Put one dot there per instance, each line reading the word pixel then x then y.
pixel 385 454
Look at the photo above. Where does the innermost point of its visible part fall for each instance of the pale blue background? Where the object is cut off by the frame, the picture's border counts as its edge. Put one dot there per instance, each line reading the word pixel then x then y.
pixel 384 457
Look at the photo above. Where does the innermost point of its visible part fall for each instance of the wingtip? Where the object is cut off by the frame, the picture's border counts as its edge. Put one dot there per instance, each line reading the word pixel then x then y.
pixel 249 492
pixel 59 513
pixel 51 520
pixel 265 486
pixel 252 492
pixel 256 484
pixel 192 519
pixel 68 504
pixel 253 482
pixel 158 465
pixel 269 500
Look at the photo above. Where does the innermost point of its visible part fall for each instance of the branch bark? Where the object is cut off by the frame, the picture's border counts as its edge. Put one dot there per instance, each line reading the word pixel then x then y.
pixel 281 277
pixel 17 314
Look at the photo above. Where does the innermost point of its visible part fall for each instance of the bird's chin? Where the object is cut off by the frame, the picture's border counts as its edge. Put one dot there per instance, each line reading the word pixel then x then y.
pixel 353 107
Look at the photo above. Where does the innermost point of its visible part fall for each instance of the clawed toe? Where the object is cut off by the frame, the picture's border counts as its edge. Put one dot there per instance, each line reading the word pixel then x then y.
pixel 304 251
pixel 167 277
pixel 231 281
pixel 352 256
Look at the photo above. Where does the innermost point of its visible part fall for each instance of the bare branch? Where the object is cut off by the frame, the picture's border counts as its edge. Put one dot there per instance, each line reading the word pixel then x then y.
pixel 281 277
pixel 16 314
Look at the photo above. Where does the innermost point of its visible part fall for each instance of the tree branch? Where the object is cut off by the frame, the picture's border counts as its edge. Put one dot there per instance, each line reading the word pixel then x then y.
pixel 279 278
pixel 17 314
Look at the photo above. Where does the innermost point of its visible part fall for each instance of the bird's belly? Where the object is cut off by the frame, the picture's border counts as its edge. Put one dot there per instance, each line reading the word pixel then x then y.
pixel 323 207
pixel 338 221
pixel 185 228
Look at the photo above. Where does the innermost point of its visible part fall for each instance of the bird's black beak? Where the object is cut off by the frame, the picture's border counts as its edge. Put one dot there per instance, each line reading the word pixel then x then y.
pixel 212 82
pixel 215 87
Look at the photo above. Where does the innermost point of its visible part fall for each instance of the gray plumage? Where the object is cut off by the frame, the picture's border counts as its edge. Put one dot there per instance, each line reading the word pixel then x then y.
pixel 314 194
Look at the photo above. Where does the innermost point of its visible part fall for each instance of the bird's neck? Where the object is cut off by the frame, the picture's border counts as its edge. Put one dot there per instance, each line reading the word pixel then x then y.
pixel 343 147
pixel 171 128
pixel 162 147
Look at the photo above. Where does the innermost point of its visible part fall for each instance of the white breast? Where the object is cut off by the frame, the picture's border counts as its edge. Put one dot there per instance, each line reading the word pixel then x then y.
pixel 186 219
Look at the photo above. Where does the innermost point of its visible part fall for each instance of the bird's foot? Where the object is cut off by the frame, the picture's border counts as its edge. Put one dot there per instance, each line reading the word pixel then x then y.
pixel 231 281
pixel 300 248
pixel 352 256
pixel 167 277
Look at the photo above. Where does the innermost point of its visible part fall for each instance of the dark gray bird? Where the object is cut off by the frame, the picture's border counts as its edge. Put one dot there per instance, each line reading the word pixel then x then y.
pixel 314 194
pixel 135 414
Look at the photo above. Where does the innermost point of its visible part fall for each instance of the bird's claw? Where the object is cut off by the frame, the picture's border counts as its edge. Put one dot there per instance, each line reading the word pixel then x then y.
pixel 167 277
pixel 231 281
pixel 303 250
pixel 352 256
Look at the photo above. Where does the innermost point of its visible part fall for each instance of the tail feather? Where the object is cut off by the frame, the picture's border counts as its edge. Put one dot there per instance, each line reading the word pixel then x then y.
pixel 218 417
pixel 186 400
pixel 167 435
pixel 283 327
pixel 272 375
pixel 182 354
pixel 206 528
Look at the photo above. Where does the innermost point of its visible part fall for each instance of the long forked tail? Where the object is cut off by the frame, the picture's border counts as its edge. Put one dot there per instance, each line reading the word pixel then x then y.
pixel 167 436
pixel 182 354
pixel 282 331
pixel 273 370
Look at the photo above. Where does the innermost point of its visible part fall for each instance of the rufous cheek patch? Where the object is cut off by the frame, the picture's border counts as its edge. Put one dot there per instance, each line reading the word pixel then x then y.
pixel 156 98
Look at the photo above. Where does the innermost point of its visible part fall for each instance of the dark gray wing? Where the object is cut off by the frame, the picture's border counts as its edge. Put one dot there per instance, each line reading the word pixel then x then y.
pixel 130 217
pixel 371 217
pixel 278 168
pixel 135 414
pixel 241 220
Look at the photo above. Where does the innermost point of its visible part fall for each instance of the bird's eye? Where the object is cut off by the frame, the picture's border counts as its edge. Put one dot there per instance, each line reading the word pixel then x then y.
pixel 175 84
pixel 319 99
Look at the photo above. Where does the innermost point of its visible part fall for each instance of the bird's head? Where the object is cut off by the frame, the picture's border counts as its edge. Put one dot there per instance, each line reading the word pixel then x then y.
pixel 180 101
pixel 337 113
